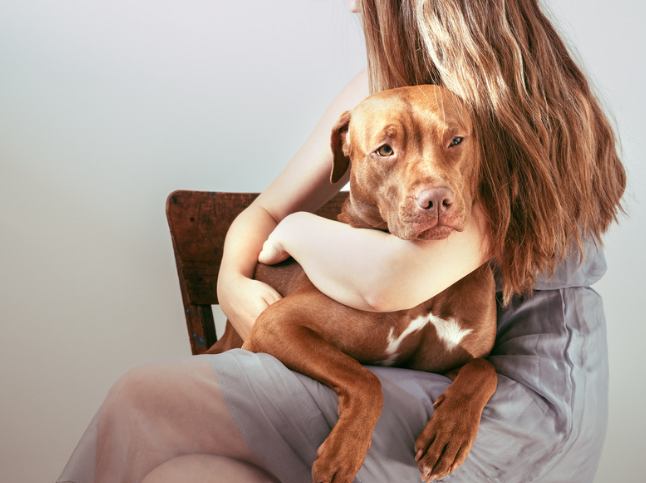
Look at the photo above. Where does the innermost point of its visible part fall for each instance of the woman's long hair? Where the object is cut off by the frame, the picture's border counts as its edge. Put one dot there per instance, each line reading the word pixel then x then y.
pixel 550 172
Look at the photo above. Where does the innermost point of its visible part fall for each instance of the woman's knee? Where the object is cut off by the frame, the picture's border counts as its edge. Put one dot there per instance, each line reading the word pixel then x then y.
pixel 145 387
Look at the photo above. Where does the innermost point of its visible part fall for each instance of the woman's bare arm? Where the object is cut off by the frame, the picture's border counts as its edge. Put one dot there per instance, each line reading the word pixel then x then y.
pixel 365 269
pixel 302 186
pixel 372 270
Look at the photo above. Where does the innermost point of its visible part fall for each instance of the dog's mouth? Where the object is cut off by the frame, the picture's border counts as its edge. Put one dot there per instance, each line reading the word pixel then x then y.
pixel 419 231
pixel 410 223
pixel 427 229
pixel 438 232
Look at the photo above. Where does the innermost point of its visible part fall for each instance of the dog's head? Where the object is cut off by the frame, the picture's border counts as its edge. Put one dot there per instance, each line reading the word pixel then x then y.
pixel 415 162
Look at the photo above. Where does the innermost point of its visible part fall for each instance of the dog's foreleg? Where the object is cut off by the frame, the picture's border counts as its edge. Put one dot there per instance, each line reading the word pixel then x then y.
pixel 448 436
pixel 341 455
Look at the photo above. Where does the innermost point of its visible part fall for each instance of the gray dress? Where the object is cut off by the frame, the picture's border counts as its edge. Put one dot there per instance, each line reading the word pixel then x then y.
pixel 546 421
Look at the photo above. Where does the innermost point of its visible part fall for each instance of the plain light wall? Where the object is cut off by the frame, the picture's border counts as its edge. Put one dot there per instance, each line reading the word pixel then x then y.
pixel 107 107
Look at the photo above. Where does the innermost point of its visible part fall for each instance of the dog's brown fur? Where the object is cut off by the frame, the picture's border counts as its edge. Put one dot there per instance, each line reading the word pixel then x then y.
pixel 415 173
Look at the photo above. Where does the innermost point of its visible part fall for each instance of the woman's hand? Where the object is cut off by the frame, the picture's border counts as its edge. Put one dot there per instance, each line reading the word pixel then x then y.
pixel 272 251
pixel 373 270
pixel 243 299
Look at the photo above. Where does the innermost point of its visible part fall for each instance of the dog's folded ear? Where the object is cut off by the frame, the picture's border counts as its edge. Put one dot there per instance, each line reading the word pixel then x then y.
pixel 340 147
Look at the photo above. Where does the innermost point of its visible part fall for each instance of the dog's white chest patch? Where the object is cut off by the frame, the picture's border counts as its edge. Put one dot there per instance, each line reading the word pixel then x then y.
pixel 395 342
pixel 449 332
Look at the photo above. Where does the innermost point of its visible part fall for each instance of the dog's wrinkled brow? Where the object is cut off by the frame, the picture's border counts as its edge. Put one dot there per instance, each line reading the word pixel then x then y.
pixel 390 130
pixel 455 127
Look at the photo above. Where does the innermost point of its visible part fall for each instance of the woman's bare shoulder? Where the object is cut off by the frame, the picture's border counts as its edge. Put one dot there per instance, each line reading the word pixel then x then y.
pixel 304 184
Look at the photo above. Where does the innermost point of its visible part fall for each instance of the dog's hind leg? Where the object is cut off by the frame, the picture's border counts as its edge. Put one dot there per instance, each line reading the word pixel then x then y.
pixel 359 391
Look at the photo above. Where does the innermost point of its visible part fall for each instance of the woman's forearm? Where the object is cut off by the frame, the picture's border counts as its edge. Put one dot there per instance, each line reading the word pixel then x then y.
pixel 242 245
pixel 303 185
pixel 244 241
pixel 373 270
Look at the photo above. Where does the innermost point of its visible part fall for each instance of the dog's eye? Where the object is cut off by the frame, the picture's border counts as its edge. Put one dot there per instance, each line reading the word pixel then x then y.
pixel 456 141
pixel 385 151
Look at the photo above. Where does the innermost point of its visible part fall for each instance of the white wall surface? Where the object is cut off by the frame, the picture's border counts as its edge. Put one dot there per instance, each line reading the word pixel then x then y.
pixel 108 106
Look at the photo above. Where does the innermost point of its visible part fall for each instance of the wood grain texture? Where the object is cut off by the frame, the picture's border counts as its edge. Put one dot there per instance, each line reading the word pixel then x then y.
pixel 198 222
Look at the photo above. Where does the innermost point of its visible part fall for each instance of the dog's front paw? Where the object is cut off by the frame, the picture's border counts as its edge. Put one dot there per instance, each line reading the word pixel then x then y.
pixel 339 459
pixel 447 438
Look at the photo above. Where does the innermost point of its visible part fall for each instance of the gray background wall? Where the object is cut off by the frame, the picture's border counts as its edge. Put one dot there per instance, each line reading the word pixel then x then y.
pixel 107 107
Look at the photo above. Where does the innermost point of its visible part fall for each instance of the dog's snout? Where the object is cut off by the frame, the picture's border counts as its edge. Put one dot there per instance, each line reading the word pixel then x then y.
pixel 437 200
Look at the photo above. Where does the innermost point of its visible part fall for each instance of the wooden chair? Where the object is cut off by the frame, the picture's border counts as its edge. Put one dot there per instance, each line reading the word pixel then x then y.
pixel 199 221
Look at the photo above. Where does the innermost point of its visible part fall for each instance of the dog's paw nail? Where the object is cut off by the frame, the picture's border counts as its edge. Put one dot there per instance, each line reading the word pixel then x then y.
pixel 419 455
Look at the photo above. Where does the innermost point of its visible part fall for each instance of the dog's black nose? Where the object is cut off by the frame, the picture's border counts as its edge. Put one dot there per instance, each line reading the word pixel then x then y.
pixel 437 200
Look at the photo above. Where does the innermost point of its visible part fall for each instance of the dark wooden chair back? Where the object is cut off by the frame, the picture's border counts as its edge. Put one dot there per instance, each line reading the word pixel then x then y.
pixel 199 221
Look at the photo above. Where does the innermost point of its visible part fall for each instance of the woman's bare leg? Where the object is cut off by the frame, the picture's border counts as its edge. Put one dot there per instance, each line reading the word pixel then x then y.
pixel 201 468
pixel 165 417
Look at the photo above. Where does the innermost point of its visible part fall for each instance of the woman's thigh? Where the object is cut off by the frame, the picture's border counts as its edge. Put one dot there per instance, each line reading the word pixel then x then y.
pixel 158 412
pixel 207 468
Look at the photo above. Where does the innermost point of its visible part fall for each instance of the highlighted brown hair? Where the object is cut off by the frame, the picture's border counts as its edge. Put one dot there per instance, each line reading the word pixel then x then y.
pixel 550 171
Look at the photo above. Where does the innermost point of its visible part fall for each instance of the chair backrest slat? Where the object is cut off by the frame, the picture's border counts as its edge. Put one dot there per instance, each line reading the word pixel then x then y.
pixel 199 221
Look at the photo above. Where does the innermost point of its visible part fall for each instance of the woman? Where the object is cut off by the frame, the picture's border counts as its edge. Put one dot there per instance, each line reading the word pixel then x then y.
pixel 552 184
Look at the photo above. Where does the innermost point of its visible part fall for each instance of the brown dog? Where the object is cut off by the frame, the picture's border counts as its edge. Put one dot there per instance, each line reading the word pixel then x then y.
pixel 415 169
